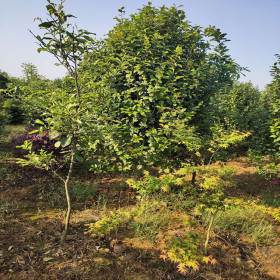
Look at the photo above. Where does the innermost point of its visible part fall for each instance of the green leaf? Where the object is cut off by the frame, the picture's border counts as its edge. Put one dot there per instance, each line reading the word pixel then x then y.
pixel 79 158
pixel 34 131
pixel 71 16
pixel 57 144
pixel 8 103
pixel 39 122
pixel 41 131
pixel 40 50
pixel 66 141
pixel 53 134
pixel 50 8
pixel 46 24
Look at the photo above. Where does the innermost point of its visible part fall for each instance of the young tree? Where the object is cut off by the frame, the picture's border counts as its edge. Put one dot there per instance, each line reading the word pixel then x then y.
pixel 66 112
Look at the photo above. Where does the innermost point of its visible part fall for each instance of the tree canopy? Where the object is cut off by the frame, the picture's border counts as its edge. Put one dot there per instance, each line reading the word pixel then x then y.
pixel 159 71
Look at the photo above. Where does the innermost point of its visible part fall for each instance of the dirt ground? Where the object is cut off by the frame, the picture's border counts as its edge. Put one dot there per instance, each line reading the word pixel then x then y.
pixel 31 223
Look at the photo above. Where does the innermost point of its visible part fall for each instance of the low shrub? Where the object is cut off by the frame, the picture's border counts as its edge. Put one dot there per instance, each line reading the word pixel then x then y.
pixel 39 142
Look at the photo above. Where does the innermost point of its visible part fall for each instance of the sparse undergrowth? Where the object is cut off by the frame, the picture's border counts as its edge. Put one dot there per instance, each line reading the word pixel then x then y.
pixel 248 223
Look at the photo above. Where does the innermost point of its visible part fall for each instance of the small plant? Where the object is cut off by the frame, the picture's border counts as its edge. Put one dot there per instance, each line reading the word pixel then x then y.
pixel 109 223
pixel 185 252
pixel 151 184
pixel 6 208
pixel 208 193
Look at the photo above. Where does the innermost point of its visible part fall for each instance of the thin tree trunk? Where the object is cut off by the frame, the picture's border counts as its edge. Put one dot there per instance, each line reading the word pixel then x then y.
pixel 136 172
pixel 193 177
pixel 212 217
pixel 66 186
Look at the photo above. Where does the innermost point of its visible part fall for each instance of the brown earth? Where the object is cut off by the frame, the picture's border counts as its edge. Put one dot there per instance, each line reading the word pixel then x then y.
pixel 30 229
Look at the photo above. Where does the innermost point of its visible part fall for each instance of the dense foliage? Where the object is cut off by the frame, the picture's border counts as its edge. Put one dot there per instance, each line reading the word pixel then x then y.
pixel 160 73
pixel 244 107
pixel 40 141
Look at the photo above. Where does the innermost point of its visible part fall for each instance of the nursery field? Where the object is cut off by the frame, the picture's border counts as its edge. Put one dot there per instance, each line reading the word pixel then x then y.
pixel 244 243
pixel 148 160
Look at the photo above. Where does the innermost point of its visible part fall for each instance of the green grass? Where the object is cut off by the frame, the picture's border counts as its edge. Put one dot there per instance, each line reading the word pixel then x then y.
pixel 6 136
pixel 6 208
pixel 82 190
pixel 151 221
pixel 270 200
pixel 247 222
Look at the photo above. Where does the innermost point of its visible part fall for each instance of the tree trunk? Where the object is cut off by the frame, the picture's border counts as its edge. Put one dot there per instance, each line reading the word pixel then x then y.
pixel 66 186
pixel 193 177
pixel 212 217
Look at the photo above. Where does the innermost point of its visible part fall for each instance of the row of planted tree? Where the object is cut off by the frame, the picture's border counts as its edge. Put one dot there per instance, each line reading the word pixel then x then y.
pixel 156 92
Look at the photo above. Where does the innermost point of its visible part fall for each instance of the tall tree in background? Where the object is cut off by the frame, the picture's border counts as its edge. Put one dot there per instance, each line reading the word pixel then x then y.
pixel 274 95
pixel 244 107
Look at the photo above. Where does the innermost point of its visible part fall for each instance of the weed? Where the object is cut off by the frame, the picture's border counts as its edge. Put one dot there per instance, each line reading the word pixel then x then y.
pixel 150 222
pixel 6 207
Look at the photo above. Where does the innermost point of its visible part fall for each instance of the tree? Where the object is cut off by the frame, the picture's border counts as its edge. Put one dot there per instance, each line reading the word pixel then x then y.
pixel 30 72
pixel 4 80
pixel 159 70
pixel 245 108
pixel 66 114
pixel 274 95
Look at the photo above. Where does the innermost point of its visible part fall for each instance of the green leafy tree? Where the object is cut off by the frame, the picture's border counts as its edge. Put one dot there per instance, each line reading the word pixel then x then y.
pixel 274 96
pixel 245 108
pixel 4 80
pixel 66 112
pixel 158 69
pixel 30 72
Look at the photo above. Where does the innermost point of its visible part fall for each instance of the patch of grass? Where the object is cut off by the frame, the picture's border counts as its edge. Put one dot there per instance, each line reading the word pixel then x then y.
pixel 10 176
pixel 119 185
pixel 270 200
pixel 82 190
pixel 6 207
pixel 150 223
pixel 248 222
pixel 180 200
pixel 6 135
pixel 101 203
